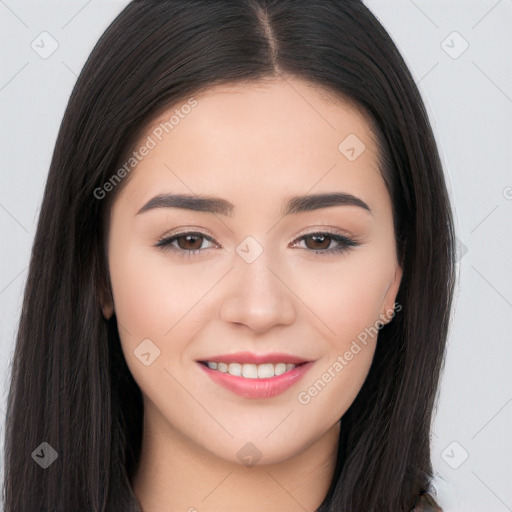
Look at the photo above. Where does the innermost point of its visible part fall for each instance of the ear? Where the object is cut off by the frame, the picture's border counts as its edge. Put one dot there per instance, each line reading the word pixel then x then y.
pixel 388 305
pixel 108 310
pixel 106 301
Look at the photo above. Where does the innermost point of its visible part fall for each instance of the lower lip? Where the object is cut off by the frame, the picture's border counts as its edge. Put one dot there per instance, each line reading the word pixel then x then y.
pixel 258 388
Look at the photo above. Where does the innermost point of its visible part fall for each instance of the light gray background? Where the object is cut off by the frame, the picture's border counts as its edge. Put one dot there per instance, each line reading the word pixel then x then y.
pixel 469 99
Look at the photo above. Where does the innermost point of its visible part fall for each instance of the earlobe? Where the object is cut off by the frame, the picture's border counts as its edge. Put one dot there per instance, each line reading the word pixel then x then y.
pixel 388 311
pixel 106 302
pixel 108 311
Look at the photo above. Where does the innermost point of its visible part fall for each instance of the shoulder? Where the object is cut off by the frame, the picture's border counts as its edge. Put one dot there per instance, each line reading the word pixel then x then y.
pixel 426 503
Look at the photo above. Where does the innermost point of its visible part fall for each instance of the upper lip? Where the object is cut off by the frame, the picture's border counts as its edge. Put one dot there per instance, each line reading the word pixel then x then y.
pixel 250 358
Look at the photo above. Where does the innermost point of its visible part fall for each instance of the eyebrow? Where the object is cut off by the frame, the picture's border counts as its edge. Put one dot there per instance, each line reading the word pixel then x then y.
pixel 216 205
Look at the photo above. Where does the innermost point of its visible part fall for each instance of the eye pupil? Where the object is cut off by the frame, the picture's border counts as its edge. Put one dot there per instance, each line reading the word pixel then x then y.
pixel 188 239
pixel 319 239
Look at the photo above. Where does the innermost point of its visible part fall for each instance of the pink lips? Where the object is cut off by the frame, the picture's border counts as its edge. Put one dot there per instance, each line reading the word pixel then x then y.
pixel 257 388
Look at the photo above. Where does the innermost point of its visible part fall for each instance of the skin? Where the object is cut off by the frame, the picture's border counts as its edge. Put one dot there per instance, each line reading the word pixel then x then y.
pixel 254 145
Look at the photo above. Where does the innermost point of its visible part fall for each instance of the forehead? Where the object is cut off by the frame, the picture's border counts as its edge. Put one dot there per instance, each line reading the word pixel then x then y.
pixel 282 136
pixel 285 110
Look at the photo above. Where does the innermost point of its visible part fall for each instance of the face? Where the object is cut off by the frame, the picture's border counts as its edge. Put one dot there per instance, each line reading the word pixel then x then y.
pixel 255 282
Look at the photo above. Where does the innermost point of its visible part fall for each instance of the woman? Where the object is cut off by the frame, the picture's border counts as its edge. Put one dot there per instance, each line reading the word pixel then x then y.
pixel 292 362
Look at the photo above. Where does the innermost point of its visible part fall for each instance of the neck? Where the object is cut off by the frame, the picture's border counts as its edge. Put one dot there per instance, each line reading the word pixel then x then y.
pixel 177 474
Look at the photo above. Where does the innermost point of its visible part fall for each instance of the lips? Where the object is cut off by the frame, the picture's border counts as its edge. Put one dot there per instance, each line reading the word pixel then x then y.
pixel 249 384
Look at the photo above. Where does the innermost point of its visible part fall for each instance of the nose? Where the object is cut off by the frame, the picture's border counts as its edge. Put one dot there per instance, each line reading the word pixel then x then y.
pixel 257 296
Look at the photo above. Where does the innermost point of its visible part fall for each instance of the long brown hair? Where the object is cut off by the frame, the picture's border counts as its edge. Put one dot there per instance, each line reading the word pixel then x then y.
pixel 70 384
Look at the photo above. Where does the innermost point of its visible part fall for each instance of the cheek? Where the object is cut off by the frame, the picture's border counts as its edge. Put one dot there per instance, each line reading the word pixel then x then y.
pixel 140 299
pixel 161 301
pixel 154 301
pixel 347 296
pixel 151 294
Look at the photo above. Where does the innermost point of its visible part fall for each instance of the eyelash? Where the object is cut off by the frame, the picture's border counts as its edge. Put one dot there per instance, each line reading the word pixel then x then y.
pixel 346 243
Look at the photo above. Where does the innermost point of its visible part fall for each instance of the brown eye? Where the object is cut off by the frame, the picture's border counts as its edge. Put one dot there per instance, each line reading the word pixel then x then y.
pixel 185 244
pixel 320 243
pixel 189 242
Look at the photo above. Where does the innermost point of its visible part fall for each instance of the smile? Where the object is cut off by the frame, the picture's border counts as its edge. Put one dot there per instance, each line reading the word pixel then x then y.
pixel 251 371
pixel 253 376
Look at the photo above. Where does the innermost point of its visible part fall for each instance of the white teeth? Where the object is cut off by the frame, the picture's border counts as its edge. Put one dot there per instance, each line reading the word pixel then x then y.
pixel 279 369
pixel 235 369
pixel 266 371
pixel 252 371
